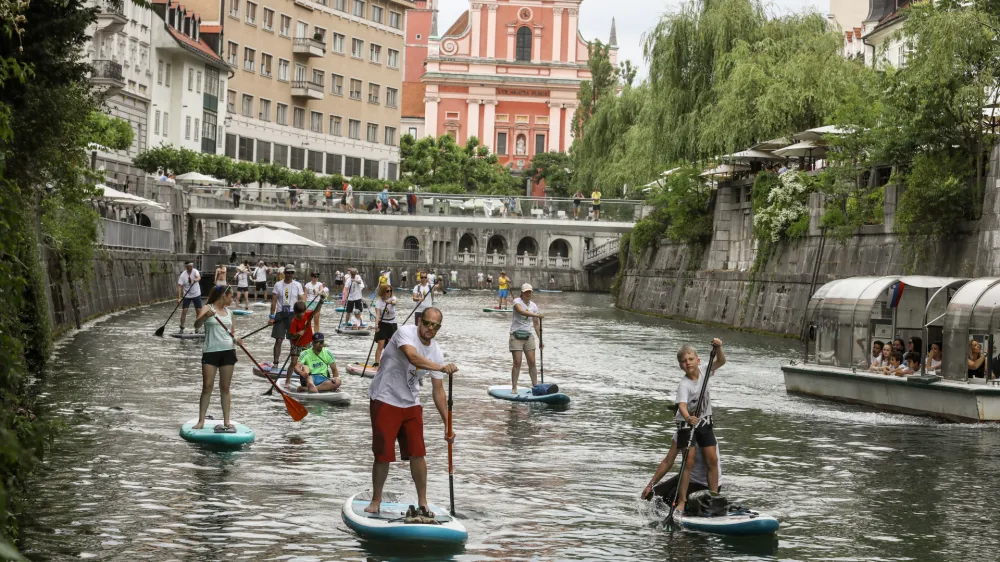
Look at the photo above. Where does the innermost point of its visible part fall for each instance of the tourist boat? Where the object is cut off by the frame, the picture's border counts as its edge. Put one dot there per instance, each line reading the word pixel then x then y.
pixel 845 316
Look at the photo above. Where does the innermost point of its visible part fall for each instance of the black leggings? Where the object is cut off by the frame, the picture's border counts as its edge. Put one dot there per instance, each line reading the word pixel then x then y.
pixel 668 488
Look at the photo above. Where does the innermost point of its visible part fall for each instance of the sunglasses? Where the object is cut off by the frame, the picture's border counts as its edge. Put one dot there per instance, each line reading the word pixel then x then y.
pixel 431 325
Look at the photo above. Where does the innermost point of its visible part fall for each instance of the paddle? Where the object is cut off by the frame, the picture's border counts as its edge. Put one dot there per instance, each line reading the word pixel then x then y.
pixel 270 390
pixel 159 332
pixel 451 464
pixel 541 350
pixel 364 369
pixel 687 448
pixel 295 409
pixel 265 326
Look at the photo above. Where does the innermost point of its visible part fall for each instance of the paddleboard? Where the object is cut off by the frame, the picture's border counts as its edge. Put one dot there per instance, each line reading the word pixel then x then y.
pixel 208 436
pixel 366 330
pixel 241 312
pixel 260 304
pixel 388 524
pixel 739 523
pixel 189 336
pixel 325 397
pixel 498 310
pixel 340 309
pixel 548 291
pixel 272 370
pixel 358 368
pixel 524 395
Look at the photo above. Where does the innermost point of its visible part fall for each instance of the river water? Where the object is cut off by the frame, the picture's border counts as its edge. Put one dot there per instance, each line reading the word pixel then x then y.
pixel 532 482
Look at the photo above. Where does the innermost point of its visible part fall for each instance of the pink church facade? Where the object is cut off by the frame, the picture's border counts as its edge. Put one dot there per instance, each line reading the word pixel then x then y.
pixel 507 72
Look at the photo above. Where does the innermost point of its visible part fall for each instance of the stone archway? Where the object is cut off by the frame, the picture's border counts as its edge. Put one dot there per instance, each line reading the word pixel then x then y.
pixel 559 248
pixel 527 245
pixel 496 244
pixel 467 244
pixel 411 249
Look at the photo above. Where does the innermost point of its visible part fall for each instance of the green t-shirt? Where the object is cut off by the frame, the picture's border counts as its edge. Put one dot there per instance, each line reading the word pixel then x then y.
pixel 317 363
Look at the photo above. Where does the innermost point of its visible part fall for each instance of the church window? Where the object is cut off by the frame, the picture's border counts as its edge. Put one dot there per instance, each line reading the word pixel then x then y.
pixel 523 51
pixel 501 144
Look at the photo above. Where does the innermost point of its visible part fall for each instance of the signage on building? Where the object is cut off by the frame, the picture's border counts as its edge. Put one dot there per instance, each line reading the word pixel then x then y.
pixel 522 93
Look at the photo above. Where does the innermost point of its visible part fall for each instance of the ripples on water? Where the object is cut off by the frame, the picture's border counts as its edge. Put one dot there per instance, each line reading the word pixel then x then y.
pixel 532 483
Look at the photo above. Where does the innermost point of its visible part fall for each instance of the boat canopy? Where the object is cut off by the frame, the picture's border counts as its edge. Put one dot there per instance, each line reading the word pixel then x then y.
pixel 973 314
pixel 846 315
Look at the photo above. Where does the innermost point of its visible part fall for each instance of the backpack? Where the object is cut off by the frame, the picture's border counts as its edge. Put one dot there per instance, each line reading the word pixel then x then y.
pixel 544 389
pixel 707 503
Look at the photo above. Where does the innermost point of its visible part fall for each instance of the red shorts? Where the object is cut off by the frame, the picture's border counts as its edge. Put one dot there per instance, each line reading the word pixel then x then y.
pixel 391 424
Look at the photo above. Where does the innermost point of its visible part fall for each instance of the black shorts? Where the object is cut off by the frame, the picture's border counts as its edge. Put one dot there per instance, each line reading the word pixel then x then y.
pixel 703 435
pixel 339 282
pixel 576 202
pixel 358 305
pixel 668 488
pixel 242 289
pixel 260 285
pixel 219 358
pixel 597 207
pixel 282 322
pixel 385 331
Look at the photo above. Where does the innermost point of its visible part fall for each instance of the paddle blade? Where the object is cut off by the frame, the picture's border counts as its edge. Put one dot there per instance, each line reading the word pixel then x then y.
pixel 159 332
pixel 295 408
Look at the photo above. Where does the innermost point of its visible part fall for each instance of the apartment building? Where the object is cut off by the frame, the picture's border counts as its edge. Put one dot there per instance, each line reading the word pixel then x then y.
pixel 119 52
pixel 314 85
pixel 190 78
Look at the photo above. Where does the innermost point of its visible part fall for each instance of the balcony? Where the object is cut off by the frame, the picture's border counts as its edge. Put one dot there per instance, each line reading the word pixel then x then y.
pixel 466 258
pixel 496 259
pixel 526 260
pixel 107 74
pixel 111 16
pixel 306 89
pixel 308 47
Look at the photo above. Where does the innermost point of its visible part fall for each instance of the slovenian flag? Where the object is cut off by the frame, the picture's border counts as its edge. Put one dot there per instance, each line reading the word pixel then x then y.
pixel 897 293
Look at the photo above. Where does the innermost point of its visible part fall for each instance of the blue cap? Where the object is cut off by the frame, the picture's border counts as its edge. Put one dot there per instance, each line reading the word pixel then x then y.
pixel 318 336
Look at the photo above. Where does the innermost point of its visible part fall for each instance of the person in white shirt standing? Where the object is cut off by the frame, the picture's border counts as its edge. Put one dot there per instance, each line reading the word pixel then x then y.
pixel 454 278
pixel 285 294
pixel 355 297
pixel 189 291
pixel 396 413
pixel 260 281
pixel 479 280
pixel 243 285
pixel 422 296
pixel 315 292
pixel 523 327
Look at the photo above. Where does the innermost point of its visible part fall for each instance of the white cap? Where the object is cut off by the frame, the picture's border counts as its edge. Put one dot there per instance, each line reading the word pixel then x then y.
pixel 526 287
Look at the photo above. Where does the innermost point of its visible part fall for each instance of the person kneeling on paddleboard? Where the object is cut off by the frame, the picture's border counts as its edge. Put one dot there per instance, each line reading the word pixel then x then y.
pixel 523 327
pixel 315 363
pixel 667 489
pixel 687 402
pixel 396 414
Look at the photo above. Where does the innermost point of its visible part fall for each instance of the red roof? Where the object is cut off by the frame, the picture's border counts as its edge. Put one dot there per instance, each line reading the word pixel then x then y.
pixel 210 28
pixel 413 99
pixel 459 26
pixel 199 46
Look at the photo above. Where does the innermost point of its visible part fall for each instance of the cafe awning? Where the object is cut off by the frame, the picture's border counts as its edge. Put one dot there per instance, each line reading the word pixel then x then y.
pixel 262 235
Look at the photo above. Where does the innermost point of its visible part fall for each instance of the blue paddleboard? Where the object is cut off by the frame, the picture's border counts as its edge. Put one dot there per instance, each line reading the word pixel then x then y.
pixel 744 523
pixel 524 395
pixel 548 291
pixel 241 312
pixel 208 436
pixel 388 524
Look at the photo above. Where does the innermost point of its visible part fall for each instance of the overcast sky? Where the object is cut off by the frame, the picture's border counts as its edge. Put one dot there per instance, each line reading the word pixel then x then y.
pixel 634 18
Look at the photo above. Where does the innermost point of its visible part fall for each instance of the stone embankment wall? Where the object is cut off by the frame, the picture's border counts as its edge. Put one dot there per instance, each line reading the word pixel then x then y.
pixel 721 288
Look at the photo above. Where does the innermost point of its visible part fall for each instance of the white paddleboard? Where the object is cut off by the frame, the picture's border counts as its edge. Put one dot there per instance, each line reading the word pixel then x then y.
pixel 341 397
pixel 388 525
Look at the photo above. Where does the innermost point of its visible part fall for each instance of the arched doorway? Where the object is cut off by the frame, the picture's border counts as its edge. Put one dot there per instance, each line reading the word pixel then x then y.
pixel 527 245
pixel 411 249
pixel 496 244
pixel 467 244
pixel 143 220
pixel 559 248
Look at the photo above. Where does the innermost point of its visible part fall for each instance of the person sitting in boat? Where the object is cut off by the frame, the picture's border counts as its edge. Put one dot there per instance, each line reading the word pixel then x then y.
pixel 876 358
pixel 688 392
pixel 934 357
pixel 895 364
pixel 315 366
pixel 911 364
pixel 884 353
pixel 916 345
pixel 976 360
pixel 667 489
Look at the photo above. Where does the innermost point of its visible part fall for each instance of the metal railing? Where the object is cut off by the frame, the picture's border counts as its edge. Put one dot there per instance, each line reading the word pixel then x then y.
pixel 309 43
pixel 487 206
pixel 602 252
pixel 112 7
pixel 107 69
pixel 352 254
pixel 115 234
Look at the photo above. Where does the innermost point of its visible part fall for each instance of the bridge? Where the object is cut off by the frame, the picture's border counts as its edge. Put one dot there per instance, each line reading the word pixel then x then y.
pixel 601 256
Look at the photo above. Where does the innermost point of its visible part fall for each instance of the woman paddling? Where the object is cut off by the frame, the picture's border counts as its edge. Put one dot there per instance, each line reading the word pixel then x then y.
pixel 385 319
pixel 218 354
pixel 523 328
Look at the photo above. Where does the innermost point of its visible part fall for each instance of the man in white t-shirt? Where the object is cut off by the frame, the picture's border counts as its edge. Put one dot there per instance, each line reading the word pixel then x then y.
pixel 260 281
pixel 422 296
pixel 284 295
pixel 479 280
pixel 243 285
pixel 454 277
pixel 355 297
pixel 189 291
pixel 396 413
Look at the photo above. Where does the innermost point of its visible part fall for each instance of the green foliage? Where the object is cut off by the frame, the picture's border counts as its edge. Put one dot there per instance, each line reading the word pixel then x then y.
pixel 780 205
pixel 445 188
pixel 603 81
pixel 935 202
pixel 110 132
pixel 555 169
pixel 680 213
pixel 430 162
pixel 623 262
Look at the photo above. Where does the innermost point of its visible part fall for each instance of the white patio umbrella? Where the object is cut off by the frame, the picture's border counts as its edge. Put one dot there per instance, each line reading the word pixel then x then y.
pixel 262 235
pixel 802 149
pixel 724 169
pixel 818 133
pixel 198 179
pixel 271 224
pixel 772 144
pixel 113 194
pixel 751 154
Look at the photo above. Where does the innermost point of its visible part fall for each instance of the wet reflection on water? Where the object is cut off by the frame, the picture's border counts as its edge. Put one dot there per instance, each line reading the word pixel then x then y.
pixel 532 482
